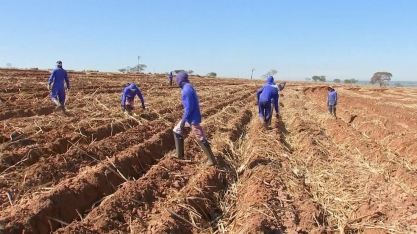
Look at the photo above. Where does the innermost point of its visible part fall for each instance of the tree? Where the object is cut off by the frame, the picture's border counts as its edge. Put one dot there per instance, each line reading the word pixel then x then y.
pixel 353 81
pixel 272 72
pixel 138 68
pixel 381 77
pixel 398 85
pixel 123 70
pixel 336 80
pixel 190 72
pixel 347 81
pixel 315 78
pixel 178 71
pixel 322 78
pixel 251 75
pixel 9 65
pixel 212 74
pixel 308 79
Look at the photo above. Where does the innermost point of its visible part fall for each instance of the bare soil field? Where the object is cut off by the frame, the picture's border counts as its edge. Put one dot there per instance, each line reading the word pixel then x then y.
pixel 96 170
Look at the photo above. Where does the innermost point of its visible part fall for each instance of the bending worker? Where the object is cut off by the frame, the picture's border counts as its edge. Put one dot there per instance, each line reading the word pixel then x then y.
pixel 58 76
pixel 191 118
pixel 128 98
pixel 265 96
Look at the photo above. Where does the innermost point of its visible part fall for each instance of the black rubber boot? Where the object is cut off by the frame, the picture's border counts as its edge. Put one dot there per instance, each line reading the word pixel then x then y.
pixel 179 145
pixel 205 145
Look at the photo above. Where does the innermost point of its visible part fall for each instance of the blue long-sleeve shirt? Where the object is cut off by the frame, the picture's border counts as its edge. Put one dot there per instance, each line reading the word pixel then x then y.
pixel 268 93
pixel 332 98
pixel 191 105
pixel 189 97
pixel 130 92
pixel 58 76
pixel 170 76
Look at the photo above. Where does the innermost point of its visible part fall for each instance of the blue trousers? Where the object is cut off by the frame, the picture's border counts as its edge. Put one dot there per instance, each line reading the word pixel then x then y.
pixel 265 110
pixel 58 94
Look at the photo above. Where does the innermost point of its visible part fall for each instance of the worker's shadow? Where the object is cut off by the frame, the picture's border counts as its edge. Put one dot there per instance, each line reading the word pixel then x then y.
pixel 283 132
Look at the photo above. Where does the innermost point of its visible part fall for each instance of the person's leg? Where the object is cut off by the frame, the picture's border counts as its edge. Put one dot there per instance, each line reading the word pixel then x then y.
pixel 204 144
pixel 61 98
pixel 54 97
pixel 330 107
pixel 129 105
pixel 334 111
pixel 179 139
pixel 268 113
pixel 260 110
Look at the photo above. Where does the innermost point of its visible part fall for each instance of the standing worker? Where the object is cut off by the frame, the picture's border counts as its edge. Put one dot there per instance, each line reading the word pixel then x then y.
pixel 58 76
pixel 265 96
pixel 170 78
pixel 128 98
pixel 332 101
pixel 191 118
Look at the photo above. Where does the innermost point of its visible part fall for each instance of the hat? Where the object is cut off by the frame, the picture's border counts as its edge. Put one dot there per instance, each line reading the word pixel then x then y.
pixel 59 63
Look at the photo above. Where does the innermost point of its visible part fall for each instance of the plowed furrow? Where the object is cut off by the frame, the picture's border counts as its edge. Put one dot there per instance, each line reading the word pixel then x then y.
pixel 175 174
pixel 346 172
pixel 197 207
pixel 89 187
pixel 69 164
pixel 97 175
pixel 26 113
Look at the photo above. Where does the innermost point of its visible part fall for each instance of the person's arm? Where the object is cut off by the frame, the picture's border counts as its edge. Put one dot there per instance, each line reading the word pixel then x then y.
pixel 67 80
pixel 258 93
pixel 276 104
pixel 140 97
pixel 328 99
pixel 335 98
pixel 187 106
pixel 124 97
pixel 51 78
pixel 282 86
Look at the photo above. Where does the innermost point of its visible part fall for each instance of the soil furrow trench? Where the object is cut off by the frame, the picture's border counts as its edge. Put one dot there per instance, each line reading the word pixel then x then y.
pixel 98 177
pixel 175 174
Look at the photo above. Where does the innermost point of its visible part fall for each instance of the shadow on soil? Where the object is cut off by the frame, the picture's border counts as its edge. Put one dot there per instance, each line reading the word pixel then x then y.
pixel 283 132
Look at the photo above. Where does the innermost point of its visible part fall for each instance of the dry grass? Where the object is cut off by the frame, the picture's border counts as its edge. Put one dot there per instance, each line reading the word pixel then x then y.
pixel 343 180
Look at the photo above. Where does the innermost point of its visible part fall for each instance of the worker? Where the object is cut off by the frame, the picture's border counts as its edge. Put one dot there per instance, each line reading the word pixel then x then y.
pixel 191 119
pixel 57 78
pixel 128 98
pixel 266 96
pixel 332 101
pixel 170 78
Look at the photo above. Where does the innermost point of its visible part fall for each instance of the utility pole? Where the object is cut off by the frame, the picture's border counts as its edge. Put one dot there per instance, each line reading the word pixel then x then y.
pixel 138 64
pixel 253 69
